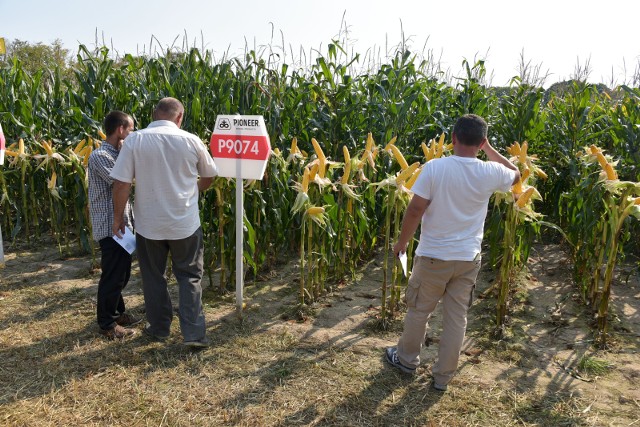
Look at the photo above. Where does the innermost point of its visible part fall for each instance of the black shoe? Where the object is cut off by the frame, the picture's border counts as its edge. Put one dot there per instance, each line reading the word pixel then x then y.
pixel 197 344
pixel 392 358
pixel 153 336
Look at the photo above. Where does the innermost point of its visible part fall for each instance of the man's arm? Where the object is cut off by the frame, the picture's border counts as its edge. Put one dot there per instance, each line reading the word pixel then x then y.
pixel 204 183
pixel 410 222
pixel 121 192
pixel 494 156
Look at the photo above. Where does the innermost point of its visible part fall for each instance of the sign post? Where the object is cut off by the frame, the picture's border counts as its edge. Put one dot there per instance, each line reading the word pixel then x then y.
pixel 240 147
pixel 2 148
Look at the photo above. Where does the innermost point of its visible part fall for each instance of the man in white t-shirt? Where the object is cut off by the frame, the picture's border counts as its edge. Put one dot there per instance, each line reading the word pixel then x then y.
pixel 170 167
pixel 450 198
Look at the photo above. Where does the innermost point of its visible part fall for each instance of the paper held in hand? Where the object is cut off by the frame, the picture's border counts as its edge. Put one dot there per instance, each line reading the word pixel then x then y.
pixel 127 241
pixel 402 256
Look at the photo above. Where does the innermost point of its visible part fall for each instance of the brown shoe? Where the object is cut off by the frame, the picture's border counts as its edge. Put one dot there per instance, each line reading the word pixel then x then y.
pixel 126 319
pixel 117 332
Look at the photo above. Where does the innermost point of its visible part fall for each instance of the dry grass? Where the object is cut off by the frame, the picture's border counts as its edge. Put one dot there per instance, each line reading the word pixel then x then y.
pixel 263 370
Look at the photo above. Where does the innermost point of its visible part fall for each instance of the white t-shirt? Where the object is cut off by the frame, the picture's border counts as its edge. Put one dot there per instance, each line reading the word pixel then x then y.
pixel 165 162
pixel 459 189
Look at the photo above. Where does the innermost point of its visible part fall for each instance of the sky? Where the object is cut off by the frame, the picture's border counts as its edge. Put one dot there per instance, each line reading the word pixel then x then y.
pixel 557 36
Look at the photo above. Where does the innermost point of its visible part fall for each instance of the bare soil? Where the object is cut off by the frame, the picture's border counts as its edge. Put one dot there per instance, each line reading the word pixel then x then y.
pixel 275 367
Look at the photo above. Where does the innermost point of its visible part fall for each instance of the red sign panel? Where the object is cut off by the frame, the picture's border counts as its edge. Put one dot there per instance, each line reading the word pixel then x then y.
pixel 240 147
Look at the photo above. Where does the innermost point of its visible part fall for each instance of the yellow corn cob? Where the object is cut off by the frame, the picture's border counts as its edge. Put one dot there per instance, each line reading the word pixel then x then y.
pixel 515 149
pixel 523 152
pixel 594 149
pixel 347 172
pixel 369 145
pixel 11 153
pixel 52 182
pixel 524 198
pixel 399 157
pixel 345 152
pixel 305 180
pixel 541 173
pixel 449 146
pixel 80 146
pixel 390 143
pixel 517 187
pixel 47 148
pixel 406 174
pixel 21 147
pixel 413 178
pixel 425 150
pixel 440 146
pixel 371 158
pixel 102 135
pixel 636 201
pixel 315 210
pixel 525 174
pixel 294 145
pixel 313 172
pixel 322 167
pixel 317 149
pixel 611 172
pixel 602 160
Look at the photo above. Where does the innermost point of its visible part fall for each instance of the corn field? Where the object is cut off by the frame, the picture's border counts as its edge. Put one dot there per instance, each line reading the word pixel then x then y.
pixel 347 146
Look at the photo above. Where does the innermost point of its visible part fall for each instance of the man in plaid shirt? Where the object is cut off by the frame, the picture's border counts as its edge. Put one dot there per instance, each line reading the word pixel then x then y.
pixel 115 260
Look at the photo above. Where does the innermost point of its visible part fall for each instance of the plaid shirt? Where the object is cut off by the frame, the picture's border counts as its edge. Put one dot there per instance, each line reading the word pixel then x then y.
pixel 101 162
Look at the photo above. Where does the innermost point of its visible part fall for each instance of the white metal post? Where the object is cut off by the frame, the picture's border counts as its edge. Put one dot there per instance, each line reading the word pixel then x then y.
pixel 239 244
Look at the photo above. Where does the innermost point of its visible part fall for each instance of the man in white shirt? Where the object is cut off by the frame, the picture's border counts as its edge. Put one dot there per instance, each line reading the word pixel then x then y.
pixel 170 167
pixel 450 198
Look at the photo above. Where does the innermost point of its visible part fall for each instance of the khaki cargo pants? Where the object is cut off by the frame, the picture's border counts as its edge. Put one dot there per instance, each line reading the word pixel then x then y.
pixel 433 280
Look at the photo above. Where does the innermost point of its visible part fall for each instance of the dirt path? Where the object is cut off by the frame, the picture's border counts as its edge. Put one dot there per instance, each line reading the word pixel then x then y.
pixel 269 369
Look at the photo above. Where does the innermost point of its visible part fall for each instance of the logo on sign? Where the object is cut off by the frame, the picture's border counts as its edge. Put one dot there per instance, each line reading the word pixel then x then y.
pixel 224 124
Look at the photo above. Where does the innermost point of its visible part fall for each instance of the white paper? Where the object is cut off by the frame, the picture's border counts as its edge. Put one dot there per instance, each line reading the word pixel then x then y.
pixel 402 256
pixel 127 241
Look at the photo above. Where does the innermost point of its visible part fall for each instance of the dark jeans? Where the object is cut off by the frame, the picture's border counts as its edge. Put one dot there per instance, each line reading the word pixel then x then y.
pixel 187 263
pixel 116 270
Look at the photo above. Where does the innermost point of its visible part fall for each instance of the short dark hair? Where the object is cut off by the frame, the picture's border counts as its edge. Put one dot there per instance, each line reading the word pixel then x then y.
pixel 114 120
pixel 470 129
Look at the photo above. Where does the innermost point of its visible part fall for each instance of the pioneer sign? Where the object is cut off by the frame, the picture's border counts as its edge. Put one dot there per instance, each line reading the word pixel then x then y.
pixel 240 146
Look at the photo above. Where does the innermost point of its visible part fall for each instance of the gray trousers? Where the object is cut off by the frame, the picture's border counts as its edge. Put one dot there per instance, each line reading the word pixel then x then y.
pixel 187 266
